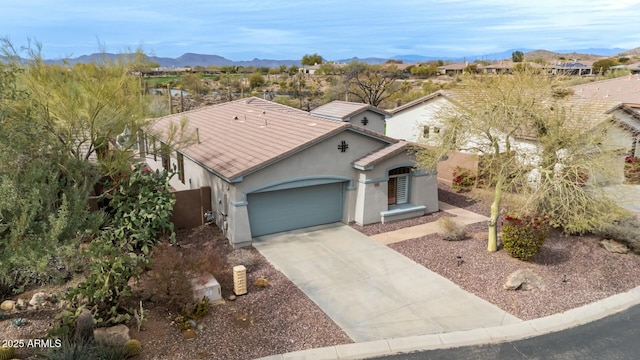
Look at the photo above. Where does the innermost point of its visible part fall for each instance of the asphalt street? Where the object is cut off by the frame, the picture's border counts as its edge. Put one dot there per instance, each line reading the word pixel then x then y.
pixel 614 337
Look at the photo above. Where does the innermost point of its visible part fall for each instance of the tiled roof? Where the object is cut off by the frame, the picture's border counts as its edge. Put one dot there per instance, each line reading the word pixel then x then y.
pixel 417 102
pixel 241 136
pixel 624 89
pixel 382 154
pixel 343 110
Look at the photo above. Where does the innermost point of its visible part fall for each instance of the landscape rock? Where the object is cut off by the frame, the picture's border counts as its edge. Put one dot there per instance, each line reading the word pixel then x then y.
pixel 38 298
pixel 112 336
pixel 614 246
pixel 524 279
pixel 7 305
pixel 21 304
pixel 262 282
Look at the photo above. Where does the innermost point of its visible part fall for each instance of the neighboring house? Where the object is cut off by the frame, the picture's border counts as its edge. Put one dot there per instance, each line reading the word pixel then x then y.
pixel 453 69
pixel 615 100
pixel 272 168
pixel 571 68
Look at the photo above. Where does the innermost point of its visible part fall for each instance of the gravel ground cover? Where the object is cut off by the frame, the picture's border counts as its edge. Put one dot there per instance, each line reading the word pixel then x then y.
pixel 575 269
pixel 280 318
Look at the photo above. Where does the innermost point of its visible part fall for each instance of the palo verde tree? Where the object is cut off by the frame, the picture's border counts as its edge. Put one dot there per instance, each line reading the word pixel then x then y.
pixel 557 174
pixel 43 192
pixel 371 84
pixel 92 109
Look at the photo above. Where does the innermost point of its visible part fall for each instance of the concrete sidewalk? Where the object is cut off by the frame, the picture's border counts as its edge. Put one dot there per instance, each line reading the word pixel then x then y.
pixel 507 333
pixel 461 215
pixel 371 291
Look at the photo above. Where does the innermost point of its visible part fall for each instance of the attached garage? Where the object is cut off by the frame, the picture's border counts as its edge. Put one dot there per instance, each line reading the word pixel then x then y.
pixel 293 208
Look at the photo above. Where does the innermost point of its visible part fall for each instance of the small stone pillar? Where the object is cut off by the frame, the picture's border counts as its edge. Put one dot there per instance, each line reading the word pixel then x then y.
pixel 239 280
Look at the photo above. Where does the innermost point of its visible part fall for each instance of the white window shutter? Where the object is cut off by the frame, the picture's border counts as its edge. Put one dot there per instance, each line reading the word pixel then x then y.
pixel 403 190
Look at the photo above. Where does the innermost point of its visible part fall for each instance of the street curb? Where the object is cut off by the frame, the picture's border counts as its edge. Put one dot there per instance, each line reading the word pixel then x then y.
pixel 493 335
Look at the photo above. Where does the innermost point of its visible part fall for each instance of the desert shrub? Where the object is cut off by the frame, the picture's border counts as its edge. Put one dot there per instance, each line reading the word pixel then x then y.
pixel 168 282
pixel 523 235
pixel 632 170
pixel 625 230
pixel 463 179
pixel 201 309
pixel 451 230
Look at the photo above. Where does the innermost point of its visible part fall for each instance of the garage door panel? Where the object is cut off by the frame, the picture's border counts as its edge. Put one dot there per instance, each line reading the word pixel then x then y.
pixel 282 210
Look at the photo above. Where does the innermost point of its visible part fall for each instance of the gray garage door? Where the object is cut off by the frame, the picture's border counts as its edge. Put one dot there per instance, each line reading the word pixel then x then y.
pixel 282 210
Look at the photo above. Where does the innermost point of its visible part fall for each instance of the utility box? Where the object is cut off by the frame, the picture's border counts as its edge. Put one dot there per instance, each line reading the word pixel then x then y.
pixel 206 286
pixel 239 280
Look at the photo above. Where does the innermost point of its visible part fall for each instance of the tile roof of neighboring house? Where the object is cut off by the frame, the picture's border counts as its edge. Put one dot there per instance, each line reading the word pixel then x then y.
pixel 624 89
pixel 239 137
pixel 343 110
pixel 382 154
pixel 419 101
pixel 456 66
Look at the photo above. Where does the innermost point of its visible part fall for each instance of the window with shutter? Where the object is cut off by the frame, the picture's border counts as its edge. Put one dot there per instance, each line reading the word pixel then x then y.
pixel 402 194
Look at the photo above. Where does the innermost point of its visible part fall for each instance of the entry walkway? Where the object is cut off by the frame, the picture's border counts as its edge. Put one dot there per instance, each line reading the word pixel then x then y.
pixel 371 291
pixel 462 216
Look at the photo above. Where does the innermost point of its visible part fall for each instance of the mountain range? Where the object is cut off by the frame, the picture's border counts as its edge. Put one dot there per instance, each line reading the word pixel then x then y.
pixel 191 59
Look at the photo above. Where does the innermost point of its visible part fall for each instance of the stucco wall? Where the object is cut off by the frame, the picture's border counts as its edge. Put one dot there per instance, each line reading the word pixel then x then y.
pixel 373 189
pixel 408 124
pixel 376 121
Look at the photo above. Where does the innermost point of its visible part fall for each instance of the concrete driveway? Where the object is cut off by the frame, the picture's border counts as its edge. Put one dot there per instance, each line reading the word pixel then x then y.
pixel 371 291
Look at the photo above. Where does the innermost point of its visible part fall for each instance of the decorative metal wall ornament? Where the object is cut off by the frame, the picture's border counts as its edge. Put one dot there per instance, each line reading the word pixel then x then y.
pixel 343 146
pixel 364 121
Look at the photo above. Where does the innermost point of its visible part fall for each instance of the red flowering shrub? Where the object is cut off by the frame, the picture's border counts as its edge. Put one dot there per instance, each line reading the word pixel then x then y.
pixel 463 179
pixel 632 170
pixel 523 236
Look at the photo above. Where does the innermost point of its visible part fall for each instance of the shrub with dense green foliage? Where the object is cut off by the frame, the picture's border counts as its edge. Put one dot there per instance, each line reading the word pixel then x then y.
pixel 463 179
pixel 523 236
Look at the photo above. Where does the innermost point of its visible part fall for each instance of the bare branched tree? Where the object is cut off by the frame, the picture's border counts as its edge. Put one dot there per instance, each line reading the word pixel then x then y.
pixel 371 84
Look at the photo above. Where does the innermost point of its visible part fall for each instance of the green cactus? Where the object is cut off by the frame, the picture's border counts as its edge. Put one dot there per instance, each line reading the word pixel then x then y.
pixel 132 348
pixel 7 353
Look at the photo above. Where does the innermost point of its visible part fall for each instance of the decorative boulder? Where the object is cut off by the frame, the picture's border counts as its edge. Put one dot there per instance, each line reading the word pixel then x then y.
pixel 524 279
pixel 262 282
pixel 614 246
pixel 7 305
pixel 37 299
pixel 112 336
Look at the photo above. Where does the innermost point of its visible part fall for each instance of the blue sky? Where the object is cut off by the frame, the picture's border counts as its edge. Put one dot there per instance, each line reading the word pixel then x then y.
pixel 288 29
